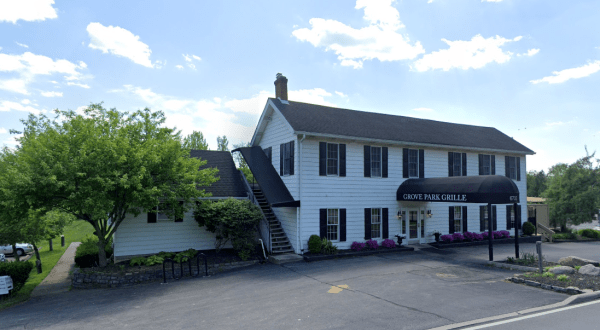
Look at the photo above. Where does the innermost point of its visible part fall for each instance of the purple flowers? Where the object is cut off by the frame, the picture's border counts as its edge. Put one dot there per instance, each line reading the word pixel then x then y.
pixel 372 244
pixel 356 246
pixel 458 237
pixel 505 233
pixel 388 243
pixel 447 238
pixel 471 237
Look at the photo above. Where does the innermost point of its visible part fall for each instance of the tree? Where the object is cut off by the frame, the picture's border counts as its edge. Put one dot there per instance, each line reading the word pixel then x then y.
pixel 195 141
pixel 106 164
pixel 573 193
pixel 222 143
pixel 536 183
pixel 240 162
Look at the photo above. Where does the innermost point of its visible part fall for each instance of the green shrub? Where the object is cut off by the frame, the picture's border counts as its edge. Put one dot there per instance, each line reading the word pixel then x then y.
pixel 18 271
pixel 185 255
pixel 564 236
pixel 589 233
pixel 547 274
pixel 154 260
pixel 137 261
pixel 327 247
pixel 166 255
pixel 528 228
pixel 87 253
pixel 314 244
pixel 563 278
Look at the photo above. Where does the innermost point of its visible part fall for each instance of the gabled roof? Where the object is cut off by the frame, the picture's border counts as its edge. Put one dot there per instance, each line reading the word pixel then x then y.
pixel 230 183
pixel 321 120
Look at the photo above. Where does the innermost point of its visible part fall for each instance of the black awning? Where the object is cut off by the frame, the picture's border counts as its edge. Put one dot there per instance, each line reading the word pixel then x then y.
pixel 494 189
pixel 268 179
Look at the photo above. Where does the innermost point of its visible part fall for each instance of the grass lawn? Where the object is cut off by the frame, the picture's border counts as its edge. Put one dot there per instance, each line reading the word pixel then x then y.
pixel 73 233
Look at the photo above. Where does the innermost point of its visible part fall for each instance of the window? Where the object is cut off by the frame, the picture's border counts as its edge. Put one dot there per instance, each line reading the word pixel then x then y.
pixel 413 163
pixel 159 215
pixel 512 217
pixel 332 158
pixel 286 158
pixel 484 214
pixel 375 161
pixel 333 224
pixel 486 165
pixel 457 219
pixel 403 222
pixel 457 164
pixel 375 223
pixel 512 167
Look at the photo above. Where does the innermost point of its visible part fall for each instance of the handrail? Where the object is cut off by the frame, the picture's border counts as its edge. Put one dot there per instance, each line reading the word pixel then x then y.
pixel 255 202
pixel 189 262
pixel 546 231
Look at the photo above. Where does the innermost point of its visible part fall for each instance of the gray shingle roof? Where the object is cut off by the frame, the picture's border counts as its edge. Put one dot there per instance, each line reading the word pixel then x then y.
pixel 230 183
pixel 318 119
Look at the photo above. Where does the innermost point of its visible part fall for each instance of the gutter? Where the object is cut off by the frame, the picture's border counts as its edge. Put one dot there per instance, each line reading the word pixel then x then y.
pixel 298 211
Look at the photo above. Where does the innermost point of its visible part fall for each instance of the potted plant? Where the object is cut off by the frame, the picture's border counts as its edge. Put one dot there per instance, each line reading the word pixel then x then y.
pixel 400 238
pixel 437 235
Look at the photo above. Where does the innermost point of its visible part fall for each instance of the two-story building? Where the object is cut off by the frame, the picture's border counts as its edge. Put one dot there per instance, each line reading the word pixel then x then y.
pixel 336 173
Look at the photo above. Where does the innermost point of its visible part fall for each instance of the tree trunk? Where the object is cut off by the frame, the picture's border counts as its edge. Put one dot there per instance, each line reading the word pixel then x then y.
pixel 15 254
pixel 37 252
pixel 101 252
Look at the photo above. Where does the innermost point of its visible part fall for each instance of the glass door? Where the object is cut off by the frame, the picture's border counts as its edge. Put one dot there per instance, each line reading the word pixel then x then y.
pixel 413 225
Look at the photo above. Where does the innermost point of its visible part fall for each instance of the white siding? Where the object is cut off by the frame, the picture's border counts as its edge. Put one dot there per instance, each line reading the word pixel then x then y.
pixel 355 192
pixel 135 236
pixel 287 218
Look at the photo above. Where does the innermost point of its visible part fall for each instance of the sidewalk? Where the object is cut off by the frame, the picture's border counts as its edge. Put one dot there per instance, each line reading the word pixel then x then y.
pixel 59 279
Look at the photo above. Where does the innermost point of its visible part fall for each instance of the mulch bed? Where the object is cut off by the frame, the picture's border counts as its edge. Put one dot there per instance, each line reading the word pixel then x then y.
pixel 577 280
pixel 511 240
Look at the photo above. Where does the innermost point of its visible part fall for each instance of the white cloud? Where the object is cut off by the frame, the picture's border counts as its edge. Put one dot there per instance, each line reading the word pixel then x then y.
pixel 26 101
pixel 120 42
pixel 26 10
pixel 380 40
pixel 197 58
pixel 3 130
pixel 491 0
pixel 341 94
pixel 423 110
pixel 532 52
pixel 10 106
pixel 70 83
pixel 180 67
pixel 189 59
pixel 22 45
pixel 52 94
pixel 568 74
pixel 314 96
pixel 472 54
pixel 28 65
pixel 253 105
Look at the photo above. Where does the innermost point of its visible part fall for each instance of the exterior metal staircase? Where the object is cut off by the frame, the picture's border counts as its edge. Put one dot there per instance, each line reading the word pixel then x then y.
pixel 279 240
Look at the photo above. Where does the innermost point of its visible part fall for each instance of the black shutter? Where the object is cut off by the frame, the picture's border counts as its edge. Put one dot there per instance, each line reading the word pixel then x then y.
pixel 367 223
pixel 421 163
pixel 451 219
pixel 506 166
pixel 385 223
pixel 152 215
pixel 342 225
pixel 179 219
pixel 493 164
pixel 292 158
pixel 281 148
pixel 481 218
pixel 464 164
pixel 322 158
pixel 384 162
pixel 342 161
pixel 495 219
pixel 270 154
pixel 464 219
pixel 450 164
pixel 480 164
pixel 404 163
pixel 518 168
pixel 508 209
pixel 367 161
pixel 323 223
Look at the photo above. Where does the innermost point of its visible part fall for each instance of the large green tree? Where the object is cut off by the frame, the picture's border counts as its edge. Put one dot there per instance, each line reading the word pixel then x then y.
pixel 573 191
pixel 105 164
pixel 536 183
pixel 240 162
pixel 195 141
pixel 222 143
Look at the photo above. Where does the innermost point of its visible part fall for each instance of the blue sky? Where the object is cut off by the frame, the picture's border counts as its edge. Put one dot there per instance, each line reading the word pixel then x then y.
pixel 530 68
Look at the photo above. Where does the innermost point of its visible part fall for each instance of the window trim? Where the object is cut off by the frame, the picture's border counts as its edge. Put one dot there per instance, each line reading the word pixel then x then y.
pixel 380 223
pixel 512 165
pixel 459 219
pixel 489 164
pixel 380 161
pixel 337 159
pixel 416 163
pixel 336 225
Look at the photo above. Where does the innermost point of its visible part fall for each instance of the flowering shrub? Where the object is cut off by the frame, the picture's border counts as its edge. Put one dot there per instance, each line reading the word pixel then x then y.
pixel 505 233
pixel 469 236
pixel 372 244
pixel 388 243
pixel 497 234
pixel 356 246
pixel 447 238
pixel 478 237
pixel 458 237
pixel 485 234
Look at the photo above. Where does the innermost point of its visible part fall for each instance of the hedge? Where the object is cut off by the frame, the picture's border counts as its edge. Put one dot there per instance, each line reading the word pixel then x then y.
pixel 87 253
pixel 18 271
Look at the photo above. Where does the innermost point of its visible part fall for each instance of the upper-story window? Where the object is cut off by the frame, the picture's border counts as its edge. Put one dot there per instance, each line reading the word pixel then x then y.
pixel 332 159
pixel 286 158
pixel 457 164
pixel 487 164
pixel 512 167
pixel 413 163
pixel 376 162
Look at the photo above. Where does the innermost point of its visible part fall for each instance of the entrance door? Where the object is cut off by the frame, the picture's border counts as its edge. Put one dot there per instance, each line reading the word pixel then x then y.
pixel 416 226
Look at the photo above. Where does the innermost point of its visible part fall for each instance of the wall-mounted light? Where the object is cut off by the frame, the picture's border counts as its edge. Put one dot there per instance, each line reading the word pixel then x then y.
pixel 429 214
pixel 399 216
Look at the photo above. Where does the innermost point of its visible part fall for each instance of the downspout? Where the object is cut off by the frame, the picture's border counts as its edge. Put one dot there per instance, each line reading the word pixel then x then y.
pixel 298 212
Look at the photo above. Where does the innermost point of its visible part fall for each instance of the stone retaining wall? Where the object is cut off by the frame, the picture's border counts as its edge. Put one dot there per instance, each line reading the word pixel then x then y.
pixel 85 278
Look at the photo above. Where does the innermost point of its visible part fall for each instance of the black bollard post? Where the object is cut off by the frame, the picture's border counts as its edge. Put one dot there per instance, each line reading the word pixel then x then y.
pixel 62 240
pixel 38 265
pixel 50 245
pixel 490 229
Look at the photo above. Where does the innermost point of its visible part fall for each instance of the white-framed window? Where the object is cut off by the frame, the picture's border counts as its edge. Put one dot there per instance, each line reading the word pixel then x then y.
pixel 161 216
pixel 486 164
pixel 332 158
pixel 333 224
pixel 486 214
pixel 458 219
pixel 287 158
pixel 403 222
pixel 512 217
pixel 375 162
pixel 413 163
pixel 375 223
pixel 512 167
pixel 457 164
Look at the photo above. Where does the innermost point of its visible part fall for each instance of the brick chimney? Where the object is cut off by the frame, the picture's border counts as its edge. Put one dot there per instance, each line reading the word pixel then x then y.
pixel 281 87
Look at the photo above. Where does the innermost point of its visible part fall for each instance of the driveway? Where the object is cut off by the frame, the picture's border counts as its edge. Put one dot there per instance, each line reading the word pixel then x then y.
pixel 414 290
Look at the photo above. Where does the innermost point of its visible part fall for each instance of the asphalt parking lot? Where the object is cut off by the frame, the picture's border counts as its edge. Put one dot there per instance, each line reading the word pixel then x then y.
pixel 414 290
